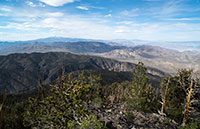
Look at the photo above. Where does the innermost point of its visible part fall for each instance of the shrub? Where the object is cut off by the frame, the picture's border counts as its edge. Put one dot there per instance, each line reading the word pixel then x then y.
pixel 191 125
pixel 65 107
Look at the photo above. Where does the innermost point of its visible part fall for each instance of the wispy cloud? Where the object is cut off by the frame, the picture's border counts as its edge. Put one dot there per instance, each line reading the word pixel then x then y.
pixel 57 2
pixel 2 14
pixel 55 14
pixel 119 31
pixel 31 4
pixel 130 13
pixel 161 20
pixel 82 7
pixel 76 26
pixel 168 9
pixel 18 26
pixel 59 24
pixel 183 19
pixel 108 15
pixel 125 22
pixel 95 7
pixel 5 9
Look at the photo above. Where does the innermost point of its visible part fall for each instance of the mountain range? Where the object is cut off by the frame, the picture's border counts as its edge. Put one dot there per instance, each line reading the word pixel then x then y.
pixel 22 63
pixel 20 73
pixel 164 59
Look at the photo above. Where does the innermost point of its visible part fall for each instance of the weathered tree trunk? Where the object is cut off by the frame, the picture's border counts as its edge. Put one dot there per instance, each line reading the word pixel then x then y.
pixel 164 98
pixel 188 104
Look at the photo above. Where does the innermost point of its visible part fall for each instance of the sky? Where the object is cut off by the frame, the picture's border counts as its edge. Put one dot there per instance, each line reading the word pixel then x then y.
pixel 153 20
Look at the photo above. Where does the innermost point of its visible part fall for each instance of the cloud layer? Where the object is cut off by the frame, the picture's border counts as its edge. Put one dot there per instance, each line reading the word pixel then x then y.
pixel 57 2
pixel 124 19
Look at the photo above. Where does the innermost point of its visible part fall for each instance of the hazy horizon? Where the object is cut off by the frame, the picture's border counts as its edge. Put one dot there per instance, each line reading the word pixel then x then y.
pixel 115 39
pixel 174 45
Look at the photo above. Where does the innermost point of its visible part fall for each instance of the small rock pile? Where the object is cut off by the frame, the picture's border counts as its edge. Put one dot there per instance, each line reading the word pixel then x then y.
pixel 114 117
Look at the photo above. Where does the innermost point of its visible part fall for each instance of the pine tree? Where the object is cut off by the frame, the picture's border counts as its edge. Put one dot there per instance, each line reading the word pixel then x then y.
pixel 182 101
pixel 141 95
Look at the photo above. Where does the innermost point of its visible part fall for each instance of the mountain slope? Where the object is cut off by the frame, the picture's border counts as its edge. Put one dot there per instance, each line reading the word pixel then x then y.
pixel 20 72
pixel 74 47
pixel 166 60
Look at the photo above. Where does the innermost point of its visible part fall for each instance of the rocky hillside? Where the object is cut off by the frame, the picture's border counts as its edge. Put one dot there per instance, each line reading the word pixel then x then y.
pixel 166 60
pixel 20 73
pixel 115 117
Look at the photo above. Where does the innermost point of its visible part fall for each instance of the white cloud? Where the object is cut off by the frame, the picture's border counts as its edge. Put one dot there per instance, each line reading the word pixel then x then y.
pixel 29 3
pixel 55 14
pixel 85 27
pixel 170 8
pixel 183 19
pixel 2 14
pixel 108 15
pixel 5 9
pixel 42 23
pixel 130 13
pixel 95 7
pixel 123 29
pixel 126 22
pixel 50 22
pixel 57 2
pixel 42 5
pixel 82 7
pixel 119 31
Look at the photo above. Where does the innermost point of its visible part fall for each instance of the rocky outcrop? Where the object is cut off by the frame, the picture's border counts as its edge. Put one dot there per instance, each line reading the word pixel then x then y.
pixel 115 118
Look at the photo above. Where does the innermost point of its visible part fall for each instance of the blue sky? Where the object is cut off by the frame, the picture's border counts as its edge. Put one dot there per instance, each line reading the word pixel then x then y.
pixel 154 20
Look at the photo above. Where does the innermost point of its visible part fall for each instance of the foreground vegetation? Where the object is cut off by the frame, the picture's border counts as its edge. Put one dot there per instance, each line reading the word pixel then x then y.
pixel 70 103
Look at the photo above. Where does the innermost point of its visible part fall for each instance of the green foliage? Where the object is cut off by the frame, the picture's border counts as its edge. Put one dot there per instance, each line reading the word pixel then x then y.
pixel 2 108
pixel 129 117
pixel 66 106
pixel 116 92
pixel 177 94
pixel 90 122
pixel 174 99
pixel 15 107
pixel 141 95
pixel 191 125
pixel 14 116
